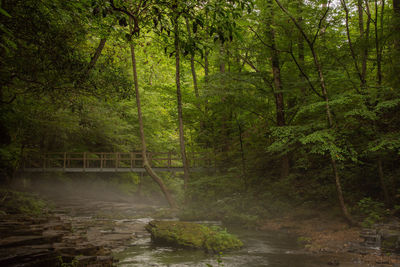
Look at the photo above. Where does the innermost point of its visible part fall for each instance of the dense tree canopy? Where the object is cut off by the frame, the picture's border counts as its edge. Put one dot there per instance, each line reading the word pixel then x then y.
pixel 294 100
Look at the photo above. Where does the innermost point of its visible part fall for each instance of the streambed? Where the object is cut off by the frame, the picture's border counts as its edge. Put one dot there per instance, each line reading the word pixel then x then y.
pixel 117 229
pixel 274 249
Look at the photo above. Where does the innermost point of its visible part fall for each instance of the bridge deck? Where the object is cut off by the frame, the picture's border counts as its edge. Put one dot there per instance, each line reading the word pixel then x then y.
pixel 111 162
pixel 157 169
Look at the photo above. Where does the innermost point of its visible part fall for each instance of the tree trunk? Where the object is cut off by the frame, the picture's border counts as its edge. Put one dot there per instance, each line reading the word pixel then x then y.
pixel 242 155
pixel 318 67
pixel 364 36
pixel 206 65
pixel 222 59
pixel 96 55
pixel 278 94
pixel 93 61
pixel 339 191
pixel 146 164
pixel 377 47
pixel 396 24
pixel 194 76
pixel 179 98
pixel 300 46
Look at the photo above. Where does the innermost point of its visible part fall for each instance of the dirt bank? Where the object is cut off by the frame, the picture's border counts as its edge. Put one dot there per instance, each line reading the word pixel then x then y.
pixel 325 234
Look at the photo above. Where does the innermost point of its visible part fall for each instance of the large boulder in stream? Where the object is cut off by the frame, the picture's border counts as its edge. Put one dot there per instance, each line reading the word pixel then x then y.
pixel 192 235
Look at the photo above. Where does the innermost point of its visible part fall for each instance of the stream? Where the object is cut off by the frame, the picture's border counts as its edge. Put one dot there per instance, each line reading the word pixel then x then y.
pixel 119 226
pixel 274 249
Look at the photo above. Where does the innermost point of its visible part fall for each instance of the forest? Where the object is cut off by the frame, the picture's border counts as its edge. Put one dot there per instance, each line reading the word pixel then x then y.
pixel 296 103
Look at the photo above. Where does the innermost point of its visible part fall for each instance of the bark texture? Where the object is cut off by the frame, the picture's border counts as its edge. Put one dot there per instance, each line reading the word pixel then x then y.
pixel 179 98
pixel 146 163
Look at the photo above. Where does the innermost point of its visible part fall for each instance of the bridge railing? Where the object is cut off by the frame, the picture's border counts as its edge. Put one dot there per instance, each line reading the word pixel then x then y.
pixel 109 160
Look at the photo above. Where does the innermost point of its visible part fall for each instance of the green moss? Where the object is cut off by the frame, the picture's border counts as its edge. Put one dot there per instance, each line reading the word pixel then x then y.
pixel 14 202
pixel 192 235
pixel 390 243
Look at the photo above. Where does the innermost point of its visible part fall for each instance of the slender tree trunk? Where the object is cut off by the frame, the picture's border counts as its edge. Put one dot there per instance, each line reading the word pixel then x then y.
pixel 300 46
pixel 364 34
pixel 346 214
pixel 205 123
pixel 242 155
pixel 377 46
pixel 278 94
pixel 396 25
pixel 318 67
pixel 93 61
pixel 222 59
pixel 96 55
pixel 146 164
pixel 179 97
pixel 206 65
pixel 194 76
pixel 339 191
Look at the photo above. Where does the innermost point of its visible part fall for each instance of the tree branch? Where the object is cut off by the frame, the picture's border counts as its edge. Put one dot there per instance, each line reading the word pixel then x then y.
pixel 320 22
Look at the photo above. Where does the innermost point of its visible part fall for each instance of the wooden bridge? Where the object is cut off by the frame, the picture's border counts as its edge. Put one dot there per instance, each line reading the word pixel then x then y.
pixel 111 162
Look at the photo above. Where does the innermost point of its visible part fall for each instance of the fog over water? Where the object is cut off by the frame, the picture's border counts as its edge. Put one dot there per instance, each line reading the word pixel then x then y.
pixel 90 199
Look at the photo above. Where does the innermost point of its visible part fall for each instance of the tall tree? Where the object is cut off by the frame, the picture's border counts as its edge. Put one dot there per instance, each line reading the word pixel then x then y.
pixel 134 29
pixel 278 87
pixel 176 13
pixel 311 45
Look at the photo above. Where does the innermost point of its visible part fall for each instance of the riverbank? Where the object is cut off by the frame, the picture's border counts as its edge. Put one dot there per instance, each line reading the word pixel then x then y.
pixel 74 232
pixel 323 233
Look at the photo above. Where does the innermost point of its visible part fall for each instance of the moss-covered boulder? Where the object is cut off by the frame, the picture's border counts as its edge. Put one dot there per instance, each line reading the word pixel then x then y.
pixel 192 235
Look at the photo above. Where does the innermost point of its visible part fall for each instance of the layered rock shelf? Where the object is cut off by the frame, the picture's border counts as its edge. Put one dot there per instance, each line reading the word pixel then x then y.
pixel 85 234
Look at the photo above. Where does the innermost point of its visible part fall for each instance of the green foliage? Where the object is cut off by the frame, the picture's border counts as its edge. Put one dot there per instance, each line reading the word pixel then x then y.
pixel 192 235
pixel 73 263
pixel 228 205
pixel 303 240
pixel 372 211
pixel 53 99
pixel 14 202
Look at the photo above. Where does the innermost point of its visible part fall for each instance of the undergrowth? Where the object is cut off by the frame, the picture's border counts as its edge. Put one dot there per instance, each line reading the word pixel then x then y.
pixel 14 202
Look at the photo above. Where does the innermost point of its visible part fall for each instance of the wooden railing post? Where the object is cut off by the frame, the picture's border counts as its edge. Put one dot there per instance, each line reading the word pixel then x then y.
pixel 161 160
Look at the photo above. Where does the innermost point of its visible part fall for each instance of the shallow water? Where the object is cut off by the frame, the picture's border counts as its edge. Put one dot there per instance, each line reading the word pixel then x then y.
pixel 273 249
pixel 114 223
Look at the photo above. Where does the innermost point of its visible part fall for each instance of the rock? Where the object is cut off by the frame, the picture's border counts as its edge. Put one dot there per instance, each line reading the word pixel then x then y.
pixel 333 262
pixel 192 235
pixel 390 240
pixel 14 241
pixel 29 256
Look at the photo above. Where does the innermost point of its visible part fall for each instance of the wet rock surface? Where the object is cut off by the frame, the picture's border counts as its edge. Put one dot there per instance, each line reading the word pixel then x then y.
pixel 77 230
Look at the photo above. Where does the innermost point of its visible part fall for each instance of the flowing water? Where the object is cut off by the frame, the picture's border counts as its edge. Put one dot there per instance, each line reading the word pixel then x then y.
pixel 120 227
pixel 273 249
